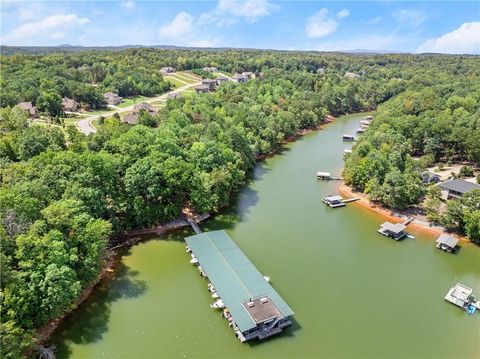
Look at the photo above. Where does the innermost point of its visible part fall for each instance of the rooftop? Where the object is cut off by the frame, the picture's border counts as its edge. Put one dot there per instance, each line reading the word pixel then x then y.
pixel 262 309
pixel 393 227
pixel 447 240
pixel 235 278
pixel 459 185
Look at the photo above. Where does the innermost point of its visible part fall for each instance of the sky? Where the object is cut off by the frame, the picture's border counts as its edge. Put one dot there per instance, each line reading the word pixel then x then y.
pixel 412 26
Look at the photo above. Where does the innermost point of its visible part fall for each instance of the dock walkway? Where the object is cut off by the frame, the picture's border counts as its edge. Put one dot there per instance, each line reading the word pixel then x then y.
pixel 194 226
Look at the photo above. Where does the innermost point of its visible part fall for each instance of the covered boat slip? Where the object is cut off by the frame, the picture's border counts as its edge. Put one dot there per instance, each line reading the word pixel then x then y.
pixel 252 302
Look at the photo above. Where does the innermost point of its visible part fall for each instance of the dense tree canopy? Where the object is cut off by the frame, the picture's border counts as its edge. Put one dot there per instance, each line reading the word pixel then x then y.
pixel 62 194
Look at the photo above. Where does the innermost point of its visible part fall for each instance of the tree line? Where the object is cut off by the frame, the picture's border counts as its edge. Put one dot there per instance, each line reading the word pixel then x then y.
pixel 63 194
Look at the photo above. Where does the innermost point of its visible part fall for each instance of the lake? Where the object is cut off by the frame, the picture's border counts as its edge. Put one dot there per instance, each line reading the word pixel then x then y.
pixel 355 293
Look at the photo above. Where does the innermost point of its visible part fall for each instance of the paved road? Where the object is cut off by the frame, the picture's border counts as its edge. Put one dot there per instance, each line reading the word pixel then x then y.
pixel 85 124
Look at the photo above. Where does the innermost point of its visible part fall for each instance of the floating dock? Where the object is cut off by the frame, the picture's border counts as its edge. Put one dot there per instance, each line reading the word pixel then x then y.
pixel 393 230
pixel 334 201
pixel 252 307
pixel 327 176
pixel 348 138
pixel 446 243
pixel 462 296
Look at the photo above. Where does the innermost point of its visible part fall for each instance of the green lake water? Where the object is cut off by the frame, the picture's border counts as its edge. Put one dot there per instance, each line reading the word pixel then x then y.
pixel 355 293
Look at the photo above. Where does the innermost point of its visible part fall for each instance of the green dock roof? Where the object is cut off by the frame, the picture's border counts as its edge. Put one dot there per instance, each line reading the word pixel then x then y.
pixel 234 277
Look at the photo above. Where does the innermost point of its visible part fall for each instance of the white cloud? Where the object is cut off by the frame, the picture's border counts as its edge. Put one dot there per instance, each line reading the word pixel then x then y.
pixel 181 25
pixel 128 4
pixel 321 24
pixel 343 13
pixel 464 40
pixel 52 27
pixel 373 21
pixel 227 12
pixel 409 17
pixel 250 10
pixel 181 31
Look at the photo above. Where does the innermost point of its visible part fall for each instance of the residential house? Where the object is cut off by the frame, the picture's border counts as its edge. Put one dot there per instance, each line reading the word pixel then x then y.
pixel 240 78
pixel 202 88
pixel 221 79
pixel 132 118
pixel 29 108
pixel 456 188
pixel 249 74
pixel 70 105
pixel 112 98
pixel 167 70
pixel 210 83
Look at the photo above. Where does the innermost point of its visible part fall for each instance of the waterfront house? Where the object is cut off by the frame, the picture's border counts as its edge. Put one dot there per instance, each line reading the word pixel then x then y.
pixel 446 242
pixel 456 188
pixel 112 98
pixel 70 105
pixel 210 83
pixel 167 70
pixel 29 108
pixel 202 88
pixel 393 230
pixel 240 78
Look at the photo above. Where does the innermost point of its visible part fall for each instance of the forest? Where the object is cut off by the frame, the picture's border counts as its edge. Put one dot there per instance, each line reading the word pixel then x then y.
pixel 63 194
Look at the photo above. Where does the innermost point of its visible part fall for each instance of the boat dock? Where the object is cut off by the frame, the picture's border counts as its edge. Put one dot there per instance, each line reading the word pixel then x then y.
pixel 327 176
pixel 250 304
pixel 393 230
pixel 334 201
pixel 348 200
pixel 462 296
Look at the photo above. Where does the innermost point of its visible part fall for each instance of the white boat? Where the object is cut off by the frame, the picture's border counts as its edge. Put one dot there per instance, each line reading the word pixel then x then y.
pixel 215 295
pixel 267 278
pixel 194 261
pixel 187 249
pixel 218 304
pixel 360 130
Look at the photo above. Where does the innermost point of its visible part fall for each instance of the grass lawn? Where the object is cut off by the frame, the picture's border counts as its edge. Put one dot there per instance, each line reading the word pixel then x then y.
pixel 131 101
pixel 95 122
pixel 98 112
pixel 190 75
pixel 186 77
pixel 174 81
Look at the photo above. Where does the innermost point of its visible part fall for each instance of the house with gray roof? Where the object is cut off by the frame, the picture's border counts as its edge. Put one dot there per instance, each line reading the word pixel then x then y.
pixel 456 188
pixel 132 118
pixel 167 70
pixel 221 79
pixel 202 88
pixel 29 108
pixel 70 105
pixel 239 78
pixel 112 98
pixel 210 83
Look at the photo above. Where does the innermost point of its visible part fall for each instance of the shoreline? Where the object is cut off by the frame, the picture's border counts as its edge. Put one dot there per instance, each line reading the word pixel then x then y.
pixel 128 239
pixel 396 217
